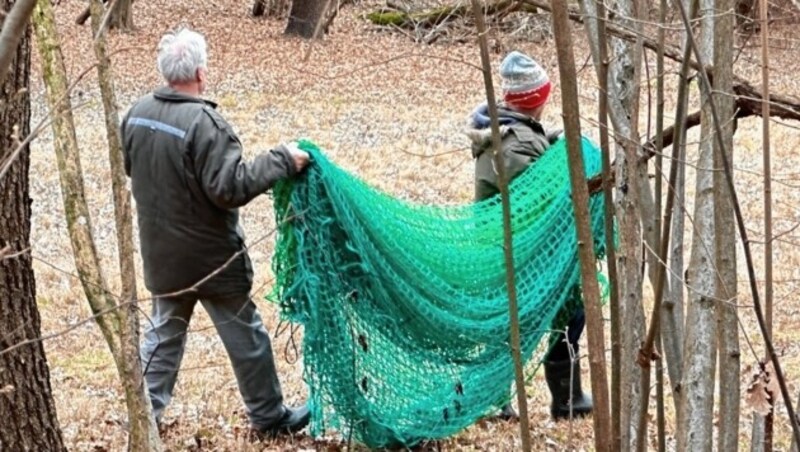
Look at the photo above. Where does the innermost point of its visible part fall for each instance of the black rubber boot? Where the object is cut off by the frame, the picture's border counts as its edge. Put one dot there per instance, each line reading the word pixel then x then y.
pixel 557 374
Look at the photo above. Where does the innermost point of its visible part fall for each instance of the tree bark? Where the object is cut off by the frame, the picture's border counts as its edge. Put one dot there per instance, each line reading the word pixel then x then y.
pixel 143 431
pixel 114 323
pixel 626 61
pixel 695 432
pixel 672 317
pixel 270 8
pixel 725 257
pixel 304 17
pixel 332 12
pixel 758 434
pixel 580 200
pixel 121 15
pixel 671 321
pixel 608 205
pixel 761 424
pixel 122 197
pixel 629 258
pixel 27 408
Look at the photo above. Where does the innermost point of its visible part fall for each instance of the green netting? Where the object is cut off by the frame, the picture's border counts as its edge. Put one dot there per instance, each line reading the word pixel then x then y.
pixel 404 306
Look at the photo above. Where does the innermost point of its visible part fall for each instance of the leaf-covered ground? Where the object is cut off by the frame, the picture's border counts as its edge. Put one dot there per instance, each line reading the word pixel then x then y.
pixel 391 111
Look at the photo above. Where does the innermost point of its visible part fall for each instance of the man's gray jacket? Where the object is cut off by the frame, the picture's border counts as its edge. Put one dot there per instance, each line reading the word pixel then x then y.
pixel 188 179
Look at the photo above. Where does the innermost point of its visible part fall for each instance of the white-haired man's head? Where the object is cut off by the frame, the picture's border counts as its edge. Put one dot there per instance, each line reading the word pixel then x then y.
pixel 183 59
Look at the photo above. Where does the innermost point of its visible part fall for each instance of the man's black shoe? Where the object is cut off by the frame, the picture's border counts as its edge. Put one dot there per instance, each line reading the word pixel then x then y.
pixel 292 421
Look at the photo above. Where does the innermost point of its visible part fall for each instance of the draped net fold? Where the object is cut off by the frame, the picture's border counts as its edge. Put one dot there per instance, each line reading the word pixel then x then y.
pixel 404 306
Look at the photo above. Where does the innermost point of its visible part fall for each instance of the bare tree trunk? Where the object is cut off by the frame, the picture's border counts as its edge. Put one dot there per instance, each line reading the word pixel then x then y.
pixel 728 332
pixel 508 250
pixel 625 70
pixel 121 15
pixel 608 205
pixel 696 429
pixel 777 371
pixel 122 197
pixel 671 318
pixel 766 423
pixel 115 323
pixel 757 434
pixel 304 17
pixel 270 8
pixel 629 256
pixel 629 262
pixel 580 200
pixel 143 430
pixel 70 173
pixel 658 243
pixel 672 326
pixel 27 409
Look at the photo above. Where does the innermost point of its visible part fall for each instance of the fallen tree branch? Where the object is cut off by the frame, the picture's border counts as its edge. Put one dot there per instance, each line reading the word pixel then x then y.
pixel 436 16
pixel 747 104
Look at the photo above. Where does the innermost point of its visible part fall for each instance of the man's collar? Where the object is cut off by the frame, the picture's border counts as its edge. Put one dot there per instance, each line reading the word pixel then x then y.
pixel 169 94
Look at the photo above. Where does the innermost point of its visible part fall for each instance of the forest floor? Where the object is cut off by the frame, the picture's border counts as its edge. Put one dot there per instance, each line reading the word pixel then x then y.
pixel 391 111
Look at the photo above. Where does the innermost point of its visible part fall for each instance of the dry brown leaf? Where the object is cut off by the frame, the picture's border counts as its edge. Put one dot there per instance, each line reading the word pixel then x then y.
pixel 757 397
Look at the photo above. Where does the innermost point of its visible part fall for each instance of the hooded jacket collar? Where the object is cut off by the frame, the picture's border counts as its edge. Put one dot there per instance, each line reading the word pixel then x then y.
pixel 479 128
pixel 479 118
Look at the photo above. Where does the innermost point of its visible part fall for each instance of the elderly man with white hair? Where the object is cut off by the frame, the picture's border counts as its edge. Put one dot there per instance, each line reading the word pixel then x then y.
pixel 188 178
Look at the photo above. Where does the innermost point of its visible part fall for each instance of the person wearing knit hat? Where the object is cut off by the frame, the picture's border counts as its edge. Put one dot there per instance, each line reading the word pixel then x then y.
pixel 526 90
pixel 526 85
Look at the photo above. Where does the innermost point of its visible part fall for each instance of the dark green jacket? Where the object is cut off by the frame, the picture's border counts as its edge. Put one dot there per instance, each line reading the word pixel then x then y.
pixel 523 141
pixel 188 179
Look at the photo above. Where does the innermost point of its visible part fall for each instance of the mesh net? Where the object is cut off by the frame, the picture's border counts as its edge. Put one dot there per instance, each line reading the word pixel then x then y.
pixel 404 306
